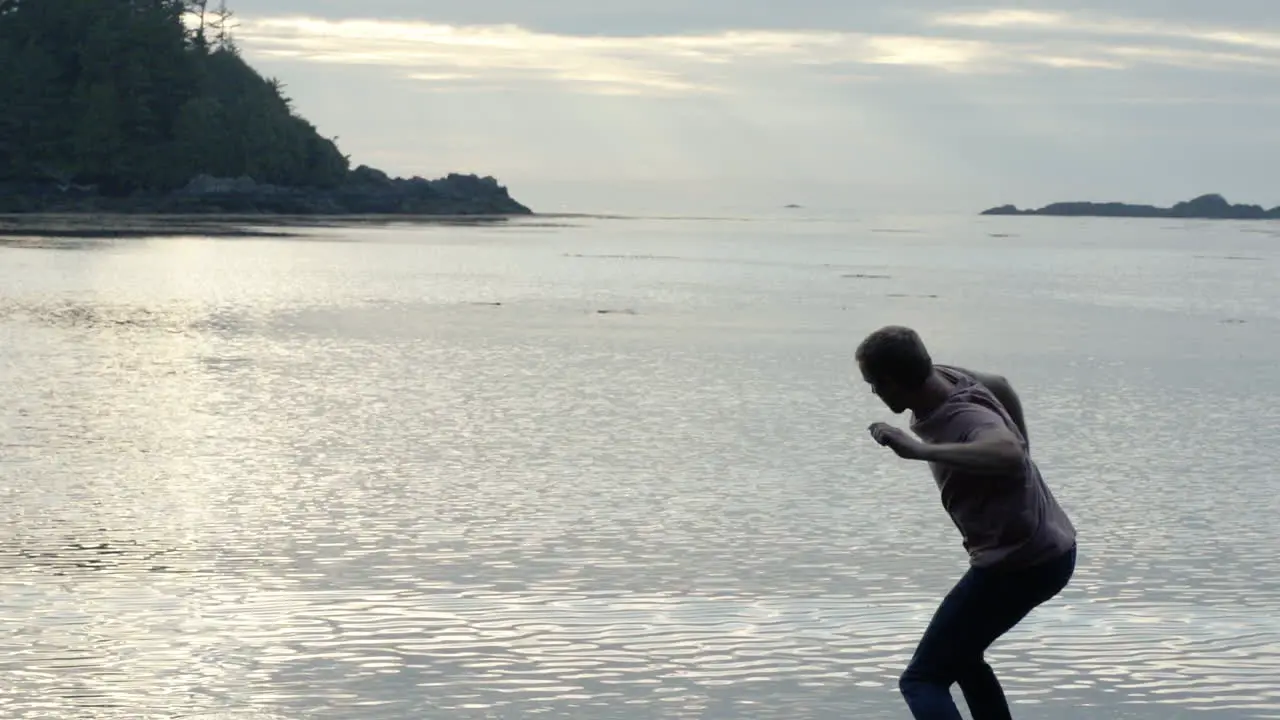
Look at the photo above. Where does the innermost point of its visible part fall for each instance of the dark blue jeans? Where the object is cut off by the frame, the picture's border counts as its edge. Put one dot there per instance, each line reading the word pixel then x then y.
pixel 984 605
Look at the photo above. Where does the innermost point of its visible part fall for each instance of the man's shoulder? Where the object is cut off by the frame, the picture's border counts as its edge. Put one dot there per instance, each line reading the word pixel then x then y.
pixel 982 377
pixel 958 420
pixel 953 371
pixel 969 415
pixel 971 408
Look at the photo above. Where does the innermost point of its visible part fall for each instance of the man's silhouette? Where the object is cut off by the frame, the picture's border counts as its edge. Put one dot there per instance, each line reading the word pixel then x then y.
pixel 1021 544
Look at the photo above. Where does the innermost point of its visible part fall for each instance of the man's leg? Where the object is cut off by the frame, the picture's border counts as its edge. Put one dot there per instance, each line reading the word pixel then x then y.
pixel 1015 596
pixel 938 659
pixel 983 606
pixel 982 692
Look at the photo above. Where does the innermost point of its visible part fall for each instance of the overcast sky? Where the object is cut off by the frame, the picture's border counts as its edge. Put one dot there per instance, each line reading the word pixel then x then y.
pixel 702 105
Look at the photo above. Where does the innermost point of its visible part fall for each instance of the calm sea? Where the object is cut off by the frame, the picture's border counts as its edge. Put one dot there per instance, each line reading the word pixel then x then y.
pixel 618 468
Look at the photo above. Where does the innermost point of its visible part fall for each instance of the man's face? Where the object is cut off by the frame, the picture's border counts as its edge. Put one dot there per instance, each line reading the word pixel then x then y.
pixel 889 392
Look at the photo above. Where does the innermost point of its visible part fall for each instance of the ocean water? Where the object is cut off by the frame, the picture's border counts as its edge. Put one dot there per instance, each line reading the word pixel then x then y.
pixel 618 468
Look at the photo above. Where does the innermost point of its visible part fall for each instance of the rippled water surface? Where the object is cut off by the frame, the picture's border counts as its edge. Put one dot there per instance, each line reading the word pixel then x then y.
pixel 618 468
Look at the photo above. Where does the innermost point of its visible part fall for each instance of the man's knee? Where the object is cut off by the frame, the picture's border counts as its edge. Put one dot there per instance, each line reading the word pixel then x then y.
pixel 917 675
pixel 909 685
pixel 976 669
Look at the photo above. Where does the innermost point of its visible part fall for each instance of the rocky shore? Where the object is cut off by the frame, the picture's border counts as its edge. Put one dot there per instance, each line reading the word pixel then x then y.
pixel 365 191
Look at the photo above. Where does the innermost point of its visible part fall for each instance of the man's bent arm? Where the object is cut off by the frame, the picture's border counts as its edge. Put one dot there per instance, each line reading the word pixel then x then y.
pixel 1000 387
pixel 993 450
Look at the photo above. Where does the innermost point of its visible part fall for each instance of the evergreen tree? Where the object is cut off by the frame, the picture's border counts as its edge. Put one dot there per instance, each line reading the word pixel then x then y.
pixel 135 95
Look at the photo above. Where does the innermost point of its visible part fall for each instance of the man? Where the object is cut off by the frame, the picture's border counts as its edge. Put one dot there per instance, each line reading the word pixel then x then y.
pixel 1021 545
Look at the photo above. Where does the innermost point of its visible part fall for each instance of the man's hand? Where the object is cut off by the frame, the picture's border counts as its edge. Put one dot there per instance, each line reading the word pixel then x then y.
pixel 898 441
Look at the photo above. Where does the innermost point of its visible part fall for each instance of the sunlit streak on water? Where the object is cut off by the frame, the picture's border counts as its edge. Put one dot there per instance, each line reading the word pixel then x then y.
pixel 336 480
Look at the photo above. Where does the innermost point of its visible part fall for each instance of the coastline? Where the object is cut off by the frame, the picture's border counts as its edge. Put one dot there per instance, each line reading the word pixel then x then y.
pixel 365 191
pixel 1204 207
pixel 109 225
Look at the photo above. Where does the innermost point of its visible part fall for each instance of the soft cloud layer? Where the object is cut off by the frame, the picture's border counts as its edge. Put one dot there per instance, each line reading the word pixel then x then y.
pixel 610 65
pixel 1218 46
pixel 917 105
pixel 1086 23
pixel 673 17
pixel 697 63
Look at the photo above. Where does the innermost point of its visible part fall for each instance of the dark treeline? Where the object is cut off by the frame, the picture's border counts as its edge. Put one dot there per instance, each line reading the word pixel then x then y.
pixel 143 95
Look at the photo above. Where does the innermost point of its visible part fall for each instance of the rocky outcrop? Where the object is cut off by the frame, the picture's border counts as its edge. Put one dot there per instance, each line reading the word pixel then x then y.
pixel 1205 207
pixel 366 191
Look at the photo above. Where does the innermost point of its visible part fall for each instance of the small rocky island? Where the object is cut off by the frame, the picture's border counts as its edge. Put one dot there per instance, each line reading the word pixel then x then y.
pixel 149 108
pixel 1205 207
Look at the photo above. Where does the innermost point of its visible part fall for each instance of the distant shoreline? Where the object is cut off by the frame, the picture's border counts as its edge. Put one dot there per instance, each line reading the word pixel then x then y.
pixel 365 191
pixel 109 225
pixel 1205 207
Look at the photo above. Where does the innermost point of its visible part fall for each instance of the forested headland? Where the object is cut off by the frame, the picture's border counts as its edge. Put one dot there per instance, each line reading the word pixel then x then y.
pixel 148 106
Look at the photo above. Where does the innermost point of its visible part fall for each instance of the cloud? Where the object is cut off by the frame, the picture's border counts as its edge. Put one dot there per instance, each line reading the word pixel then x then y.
pixel 1087 24
pixel 1003 19
pixel 1065 62
pixel 656 65
pixel 454 57
pixel 1120 42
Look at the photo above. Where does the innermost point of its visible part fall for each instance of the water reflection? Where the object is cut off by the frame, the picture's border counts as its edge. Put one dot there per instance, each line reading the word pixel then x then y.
pixel 323 483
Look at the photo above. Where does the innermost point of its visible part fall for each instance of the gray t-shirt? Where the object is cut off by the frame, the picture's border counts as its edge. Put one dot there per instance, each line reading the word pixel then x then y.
pixel 1007 520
